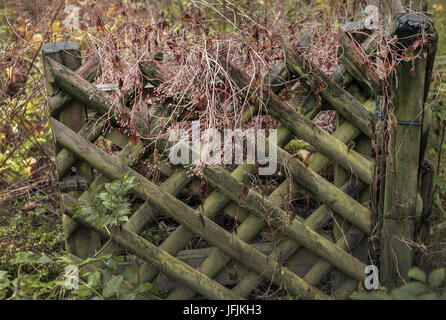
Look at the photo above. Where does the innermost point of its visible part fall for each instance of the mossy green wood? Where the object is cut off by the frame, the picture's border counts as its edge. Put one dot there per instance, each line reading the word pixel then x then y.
pixel 340 224
pixel 363 145
pixel 88 71
pixel 289 248
pixel 98 100
pixel 357 65
pixel 254 201
pixel 345 286
pixel 249 199
pixel 168 264
pixel 307 130
pixel 402 175
pixel 211 206
pixel 83 241
pixel 339 98
pixel 185 215
pixel 215 201
pixel 250 225
pixel 297 123
pixel 65 159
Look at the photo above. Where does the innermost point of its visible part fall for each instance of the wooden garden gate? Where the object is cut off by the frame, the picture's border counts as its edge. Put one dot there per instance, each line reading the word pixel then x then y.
pixel 306 255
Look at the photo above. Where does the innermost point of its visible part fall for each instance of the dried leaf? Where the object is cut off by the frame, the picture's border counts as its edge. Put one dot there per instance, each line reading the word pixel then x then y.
pixel 188 18
pixel 134 139
pixel 100 25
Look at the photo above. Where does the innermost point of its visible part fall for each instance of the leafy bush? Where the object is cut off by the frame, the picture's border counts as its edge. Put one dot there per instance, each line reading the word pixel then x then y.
pixel 102 275
pixel 423 288
pixel 33 282
pixel 108 207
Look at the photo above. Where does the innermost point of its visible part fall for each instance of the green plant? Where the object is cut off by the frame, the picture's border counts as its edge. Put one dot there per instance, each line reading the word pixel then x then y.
pixel 43 232
pixel 108 207
pixel 100 276
pixel 107 282
pixel 423 288
pixel 32 280
pixel 36 280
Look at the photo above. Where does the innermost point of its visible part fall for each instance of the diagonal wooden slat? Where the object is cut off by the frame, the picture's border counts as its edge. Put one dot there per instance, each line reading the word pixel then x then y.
pixel 234 190
pixel 183 214
pixel 317 185
pixel 168 264
pixel 304 128
pixel 250 227
pixel 87 71
pixel 339 98
pixel 313 276
pixel 215 202
pixel 65 159
pixel 301 126
pixel 247 230
pixel 356 64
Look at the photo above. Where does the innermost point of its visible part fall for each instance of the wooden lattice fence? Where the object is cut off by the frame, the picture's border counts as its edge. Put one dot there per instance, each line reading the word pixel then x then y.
pixel 232 267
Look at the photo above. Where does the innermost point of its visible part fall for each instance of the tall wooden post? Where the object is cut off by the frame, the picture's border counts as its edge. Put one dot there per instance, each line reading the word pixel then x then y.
pixel 80 241
pixel 402 165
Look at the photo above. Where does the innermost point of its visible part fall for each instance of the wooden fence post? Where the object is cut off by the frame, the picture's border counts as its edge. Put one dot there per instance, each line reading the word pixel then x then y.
pixel 402 167
pixel 82 241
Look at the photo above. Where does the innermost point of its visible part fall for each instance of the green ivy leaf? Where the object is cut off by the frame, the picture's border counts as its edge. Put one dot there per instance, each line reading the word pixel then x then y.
pixel 414 288
pixel 94 279
pixel 124 219
pixel 44 260
pixel 428 296
pixel 66 259
pixel 403 294
pixel 145 287
pixel 4 279
pixel 370 296
pixel 128 296
pixel 88 260
pixel 111 188
pixel 417 274
pixel 112 286
pixel 83 291
pixel 436 277
pixel 3 275
pixel 24 258
pixel 129 272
